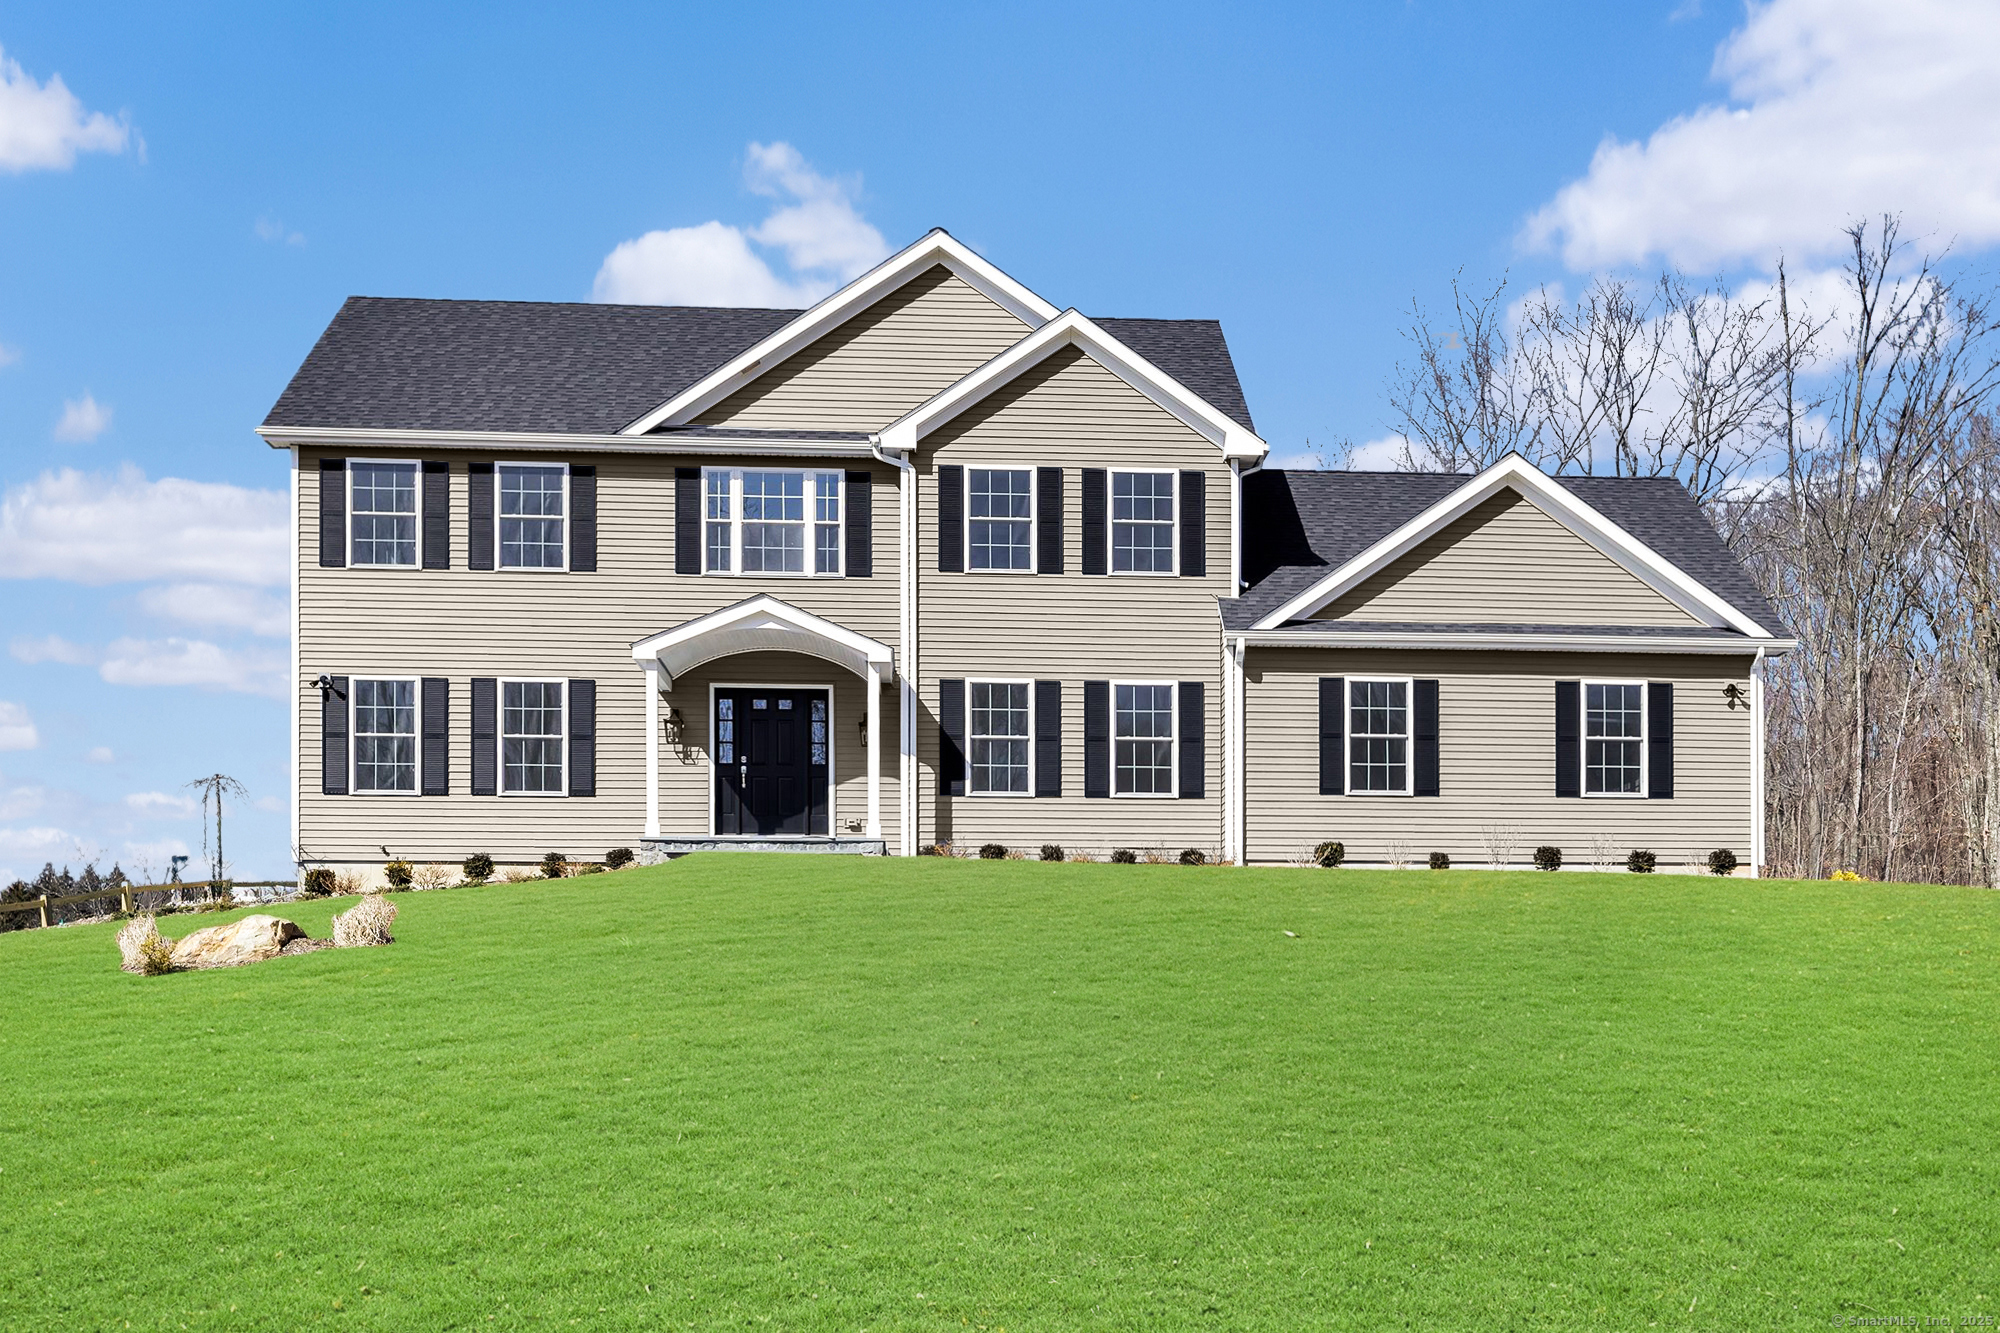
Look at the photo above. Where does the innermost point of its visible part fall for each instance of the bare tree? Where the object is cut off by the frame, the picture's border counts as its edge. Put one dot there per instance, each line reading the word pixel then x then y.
pixel 1467 400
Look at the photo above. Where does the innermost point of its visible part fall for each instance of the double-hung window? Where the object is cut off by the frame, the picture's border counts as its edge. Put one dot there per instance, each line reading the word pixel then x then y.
pixel 382 502
pixel 1142 740
pixel 1614 736
pixel 999 737
pixel 531 737
pixel 771 521
pixel 1142 522
pixel 999 515
pixel 385 735
pixel 1378 736
pixel 532 504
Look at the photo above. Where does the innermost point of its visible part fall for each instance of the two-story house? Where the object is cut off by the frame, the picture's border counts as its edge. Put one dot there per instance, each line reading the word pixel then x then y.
pixel 937 562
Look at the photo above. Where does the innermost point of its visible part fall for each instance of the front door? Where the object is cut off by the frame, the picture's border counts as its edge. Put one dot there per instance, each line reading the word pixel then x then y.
pixel 771 749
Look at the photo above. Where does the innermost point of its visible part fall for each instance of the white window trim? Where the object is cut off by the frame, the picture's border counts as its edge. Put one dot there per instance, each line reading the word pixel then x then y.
pixel 1173 744
pixel 1111 525
pixel 347 477
pixel 1034 518
pixel 568 521
pixel 1030 738
pixel 354 735
pixel 1409 685
pixel 832 754
pixel 1583 739
pixel 735 570
pixel 500 735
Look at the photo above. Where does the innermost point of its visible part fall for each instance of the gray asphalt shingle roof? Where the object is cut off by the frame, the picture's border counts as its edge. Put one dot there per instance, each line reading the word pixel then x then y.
pixel 406 363
pixel 1300 526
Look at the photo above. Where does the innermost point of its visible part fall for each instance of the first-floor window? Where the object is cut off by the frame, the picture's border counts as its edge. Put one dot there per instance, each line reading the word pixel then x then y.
pixel 385 735
pixel 1378 743
pixel 1143 740
pixel 531 736
pixel 1142 522
pixel 531 516
pixel 771 521
pixel 1614 724
pixel 999 737
pixel 382 499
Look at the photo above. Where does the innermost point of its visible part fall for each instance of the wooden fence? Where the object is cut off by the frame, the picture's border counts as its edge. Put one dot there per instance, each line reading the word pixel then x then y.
pixel 126 894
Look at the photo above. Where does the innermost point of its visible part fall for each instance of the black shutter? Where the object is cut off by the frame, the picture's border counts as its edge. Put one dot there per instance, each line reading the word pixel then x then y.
pixel 437 736
pixel 1194 524
pixel 437 514
pixel 1048 738
pixel 583 738
pixel 1048 520
pixel 951 520
pixel 860 525
pixel 583 520
pixel 479 516
pixel 951 738
pixel 1425 737
pixel 1332 735
pixel 1194 737
pixel 1097 737
pixel 485 735
pixel 333 514
pixel 1569 738
pixel 1095 501
pixel 1660 740
pixel 333 738
pixel 687 520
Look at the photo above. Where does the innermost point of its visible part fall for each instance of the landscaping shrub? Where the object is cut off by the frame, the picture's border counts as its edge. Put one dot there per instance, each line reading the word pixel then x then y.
pixel 431 876
pixel 1329 854
pixel 1082 859
pixel 1849 877
pixel 318 883
pixel 1051 852
pixel 1641 862
pixel 349 884
pixel 553 865
pixel 590 868
pixel 399 873
pixel 1548 858
pixel 144 950
pixel 993 851
pixel 1124 856
pixel 1194 856
pixel 478 868
pixel 1721 861
pixel 1440 860
pixel 365 923
pixel 618 858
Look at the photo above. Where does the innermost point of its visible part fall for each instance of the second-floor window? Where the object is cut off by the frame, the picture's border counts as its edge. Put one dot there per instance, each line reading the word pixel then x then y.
pixel 531 516
pixel 1142 522
pixel 999 518
pixel 383 502
pixel 771 521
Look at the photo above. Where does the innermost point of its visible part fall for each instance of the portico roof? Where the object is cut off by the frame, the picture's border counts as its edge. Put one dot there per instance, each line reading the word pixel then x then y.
pixel 762 624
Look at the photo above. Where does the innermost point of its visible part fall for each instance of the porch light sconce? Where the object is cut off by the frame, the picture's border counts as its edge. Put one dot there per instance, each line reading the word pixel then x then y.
pixel 326 688
pixel 676 726
pixel 864 728
pixel 1734 694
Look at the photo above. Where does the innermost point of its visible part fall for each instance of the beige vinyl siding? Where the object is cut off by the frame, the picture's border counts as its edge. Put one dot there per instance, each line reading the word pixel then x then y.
pixel 1071 413
pixel 460 623
pixel 927 334
pixel 1496 724
pixel 1506 562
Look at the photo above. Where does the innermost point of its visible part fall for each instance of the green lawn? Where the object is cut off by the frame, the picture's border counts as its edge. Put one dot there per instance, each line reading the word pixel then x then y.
pixel 803 1092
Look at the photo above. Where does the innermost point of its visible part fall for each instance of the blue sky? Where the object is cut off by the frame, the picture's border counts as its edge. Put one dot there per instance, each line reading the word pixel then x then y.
pixel 184 210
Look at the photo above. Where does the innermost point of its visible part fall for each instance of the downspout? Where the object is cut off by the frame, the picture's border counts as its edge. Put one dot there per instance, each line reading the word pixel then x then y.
pixel 298 677
pixel 1757 765
pixel 906 694
pixel 1239 751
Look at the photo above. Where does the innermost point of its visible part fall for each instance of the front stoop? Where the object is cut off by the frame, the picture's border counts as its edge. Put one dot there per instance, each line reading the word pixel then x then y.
pixel 652 851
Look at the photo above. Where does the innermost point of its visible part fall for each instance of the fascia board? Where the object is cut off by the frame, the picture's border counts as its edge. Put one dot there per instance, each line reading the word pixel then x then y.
pixel 285 437
pixel 938 247
pixel 1638 559
pixel 764 606
pixel 1586 643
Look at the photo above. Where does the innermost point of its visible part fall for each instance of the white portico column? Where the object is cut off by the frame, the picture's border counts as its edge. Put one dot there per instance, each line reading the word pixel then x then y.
pixel 874 750
pixel 652 669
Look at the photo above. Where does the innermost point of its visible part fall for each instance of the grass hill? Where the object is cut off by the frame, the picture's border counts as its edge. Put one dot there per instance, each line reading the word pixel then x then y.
pixel 796 1092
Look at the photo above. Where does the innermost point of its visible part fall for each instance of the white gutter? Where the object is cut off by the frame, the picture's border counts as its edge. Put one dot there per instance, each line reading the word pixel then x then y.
pixel 1584 643
pixel 330 437
pixel 906 562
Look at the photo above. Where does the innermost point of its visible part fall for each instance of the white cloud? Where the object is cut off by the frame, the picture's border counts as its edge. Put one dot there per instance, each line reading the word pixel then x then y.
pixel 194 662
pixel 95 528
pixel 43 125
pixel 159 803
pixel 272 229
pixel 52 648
pixel 271 804
pixel 823 237
pixel 216 604
pixel 17 729
pixel 1838 110
pixel 9 355
pixel 83 420
pixel 99 754
pixel 22 850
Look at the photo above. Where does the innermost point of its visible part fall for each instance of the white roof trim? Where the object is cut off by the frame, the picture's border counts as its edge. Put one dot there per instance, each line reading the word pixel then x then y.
pixel 1553 499
pixel 339 437
pixel 1517 642
pixel 761 624
pixel 1071 329
pixel 937 247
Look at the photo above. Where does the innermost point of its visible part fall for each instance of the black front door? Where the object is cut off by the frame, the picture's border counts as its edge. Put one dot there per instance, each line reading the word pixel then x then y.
pixel 771 762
